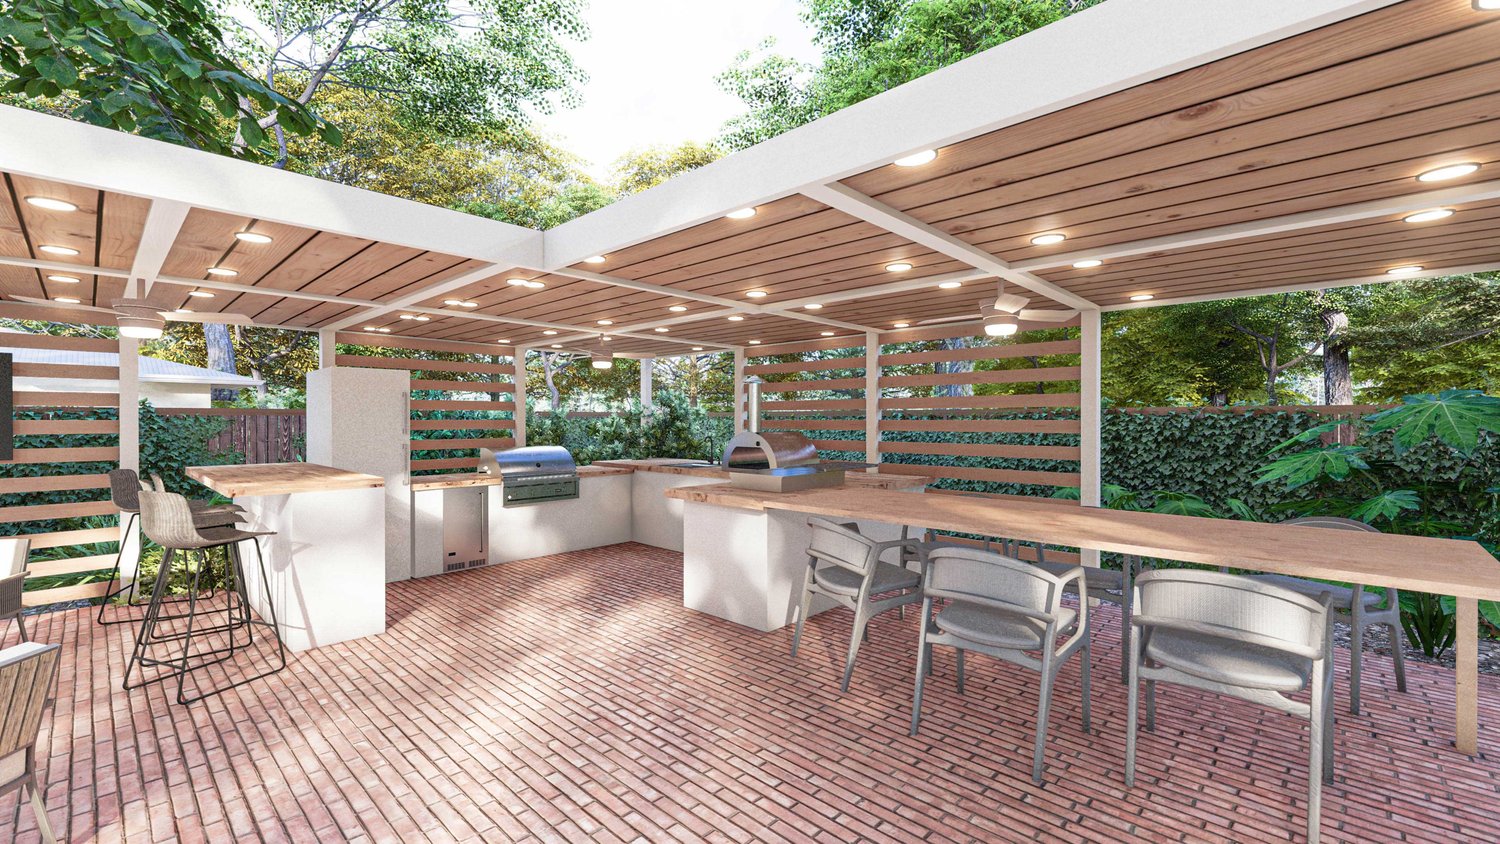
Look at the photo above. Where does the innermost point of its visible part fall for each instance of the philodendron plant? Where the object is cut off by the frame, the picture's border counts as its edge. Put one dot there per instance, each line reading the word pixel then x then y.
pixel 1365 480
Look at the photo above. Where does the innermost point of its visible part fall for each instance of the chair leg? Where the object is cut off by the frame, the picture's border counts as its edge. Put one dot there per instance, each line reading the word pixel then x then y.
pixel 1086 653
pixel 114 575
pixel 21 627
pixel 1356 649
pixel 1043 710
pixel 857 636
pixel 1315 757
pixel 1150 706
pixel 1398 653
pixel 802 609
pixel 1127 601
pixel 39 808
pixel 960 670
pixel 924 657
pixel 1132 714
pixel 187 638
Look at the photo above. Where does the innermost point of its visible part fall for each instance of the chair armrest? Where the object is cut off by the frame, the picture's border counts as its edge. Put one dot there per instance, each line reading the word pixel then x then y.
pixel 10 593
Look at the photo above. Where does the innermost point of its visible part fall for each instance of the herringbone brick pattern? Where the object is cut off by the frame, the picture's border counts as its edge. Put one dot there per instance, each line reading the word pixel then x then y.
pixel 572 698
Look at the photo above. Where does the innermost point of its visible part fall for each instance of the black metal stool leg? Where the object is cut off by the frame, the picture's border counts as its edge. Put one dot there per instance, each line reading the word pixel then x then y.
pixel 114 575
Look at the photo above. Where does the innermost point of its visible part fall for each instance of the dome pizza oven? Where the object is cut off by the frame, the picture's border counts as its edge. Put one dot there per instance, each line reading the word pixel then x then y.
pixel 778 461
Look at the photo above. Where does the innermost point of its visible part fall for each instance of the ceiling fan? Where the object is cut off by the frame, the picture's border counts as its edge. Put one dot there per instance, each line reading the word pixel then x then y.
pixel 1002 315
pixel 139 318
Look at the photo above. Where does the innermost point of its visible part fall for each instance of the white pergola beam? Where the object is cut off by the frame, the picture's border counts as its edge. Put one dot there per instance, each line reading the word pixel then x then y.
pixel 1040 74
pixel 405 303
pixel 871 210
pixel 1431 272
pixel 163 221
pixel 1394 207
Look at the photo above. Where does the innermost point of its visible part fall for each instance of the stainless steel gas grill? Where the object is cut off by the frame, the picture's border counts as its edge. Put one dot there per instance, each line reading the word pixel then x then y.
pixel 779 461
pixel 532 474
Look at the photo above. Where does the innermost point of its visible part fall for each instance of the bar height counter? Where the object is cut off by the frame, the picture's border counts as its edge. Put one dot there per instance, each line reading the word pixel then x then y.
pixel 326 563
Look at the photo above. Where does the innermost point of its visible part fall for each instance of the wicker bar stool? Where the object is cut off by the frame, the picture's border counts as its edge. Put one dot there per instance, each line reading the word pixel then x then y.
pixel 168 520
pixel 124 492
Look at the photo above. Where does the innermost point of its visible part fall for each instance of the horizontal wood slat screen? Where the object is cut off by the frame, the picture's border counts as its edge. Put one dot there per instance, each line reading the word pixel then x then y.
pixel 823 389
pixel 55 490
pixel 982 415
pixel 445 444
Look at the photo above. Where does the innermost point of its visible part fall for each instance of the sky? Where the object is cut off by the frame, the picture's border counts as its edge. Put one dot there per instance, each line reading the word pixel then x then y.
pixel 651 67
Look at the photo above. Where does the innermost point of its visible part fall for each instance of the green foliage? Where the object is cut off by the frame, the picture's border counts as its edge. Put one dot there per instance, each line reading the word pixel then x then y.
pixel 1304 467
pixel 159 70
pixel 638 170
pixel 1454 416
pixel 673 428
pixel 170 444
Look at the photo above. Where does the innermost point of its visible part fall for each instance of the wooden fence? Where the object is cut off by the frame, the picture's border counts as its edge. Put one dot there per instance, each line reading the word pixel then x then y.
pixel 262 435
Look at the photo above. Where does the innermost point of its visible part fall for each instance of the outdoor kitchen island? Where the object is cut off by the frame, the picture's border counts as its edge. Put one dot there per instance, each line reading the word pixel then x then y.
pixel 326 561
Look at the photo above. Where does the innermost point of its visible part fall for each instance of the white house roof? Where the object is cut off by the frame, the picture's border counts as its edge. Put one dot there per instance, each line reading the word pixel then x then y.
pixel 153 370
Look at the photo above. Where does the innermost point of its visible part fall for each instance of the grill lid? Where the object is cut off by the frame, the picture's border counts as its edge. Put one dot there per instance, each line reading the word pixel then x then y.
pixel 528 462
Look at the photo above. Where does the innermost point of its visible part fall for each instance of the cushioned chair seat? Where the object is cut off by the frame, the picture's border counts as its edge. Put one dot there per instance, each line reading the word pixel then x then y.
pixel 888 578
pixel 1342 596
pixel 1110 579
pixel 1228 661
pixel 993 626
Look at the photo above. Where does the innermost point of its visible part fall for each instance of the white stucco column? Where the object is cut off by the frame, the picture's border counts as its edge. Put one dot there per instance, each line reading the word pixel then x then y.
pixel 872 397
pixel 1090 418
pixel 647 364
pixel 327 354
pixel 519 396
pixel 739 389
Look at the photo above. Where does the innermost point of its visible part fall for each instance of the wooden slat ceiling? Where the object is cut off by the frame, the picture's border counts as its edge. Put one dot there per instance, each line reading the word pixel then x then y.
pixel 1347 114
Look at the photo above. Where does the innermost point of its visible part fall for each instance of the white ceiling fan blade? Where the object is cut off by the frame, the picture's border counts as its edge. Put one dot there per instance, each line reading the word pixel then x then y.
pixel 34 300
pixel 963 318
pixel 1035 315
pixel 1010 303
pixel 219 318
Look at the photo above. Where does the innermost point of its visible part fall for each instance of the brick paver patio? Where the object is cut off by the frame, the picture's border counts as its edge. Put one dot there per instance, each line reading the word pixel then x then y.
pixel 571 698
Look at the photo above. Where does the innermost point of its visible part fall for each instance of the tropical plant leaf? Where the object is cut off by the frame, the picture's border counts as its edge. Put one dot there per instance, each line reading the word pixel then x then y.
pixel 1182 504
pixel 1304 467
pixel 1240 510
pixel 1453 416
pixel 1387 506
pixel 1310 435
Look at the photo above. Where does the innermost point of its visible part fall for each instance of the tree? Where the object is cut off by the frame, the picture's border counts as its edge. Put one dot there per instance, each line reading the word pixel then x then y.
pixel 638 170
pixel 1177 355
pixel 1427 335
pixel 869 46
pixel 707 379
pixel 158 70
pixel 464 71
pixel 1279 333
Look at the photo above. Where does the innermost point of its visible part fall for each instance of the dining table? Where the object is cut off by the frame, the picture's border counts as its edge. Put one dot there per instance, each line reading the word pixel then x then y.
pixel 1459 568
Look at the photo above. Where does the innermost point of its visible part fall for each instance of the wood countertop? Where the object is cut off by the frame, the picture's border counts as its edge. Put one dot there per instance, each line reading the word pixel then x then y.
pixel 1443 566
pixel 279 479
pixel 466 479
pixel 853 477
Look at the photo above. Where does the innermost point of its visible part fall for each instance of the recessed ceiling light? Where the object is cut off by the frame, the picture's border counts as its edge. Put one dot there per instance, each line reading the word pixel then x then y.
pixel 757 294
pixel 1452 171
pixel 66 300
pixel 736 318
pixel 950 285
pixel 416 317
pixel 222 271
pixel 1087 264
pixel 201 294
pixel 677 309
pixel 594 259
pixel 1412 269
pixel 253 237
pixel 58 250
pixel 662 330
pixel 460 303
pixel 373 328
pixel 1429 216
pixel 697 348
pixel 507 342
pixel 557 345
pixel 742 214
pixel 1487 5
pixel 51 204
pixel 902 324
pixel 916 159
pixel 812 306
pixel 897 267
pixel 1048 239
pixel 755 342
pixel 518 282
pixel 549 332
pixel 182 311
pixel 1142 297
pixel 826 333
pixel 63 279
pixel 606 322
pixel 535 285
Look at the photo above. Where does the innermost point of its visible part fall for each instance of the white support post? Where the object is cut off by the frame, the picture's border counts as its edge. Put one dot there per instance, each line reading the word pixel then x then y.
pixel 519 397
pixel 739 389
pixel 327 348
pixel 1089 419
pixel 872 398
pixel 130 434
pixel 647 364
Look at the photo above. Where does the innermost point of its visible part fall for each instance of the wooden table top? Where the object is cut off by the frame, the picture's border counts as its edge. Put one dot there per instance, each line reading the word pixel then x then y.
pixel 1442 566
pixel 236 481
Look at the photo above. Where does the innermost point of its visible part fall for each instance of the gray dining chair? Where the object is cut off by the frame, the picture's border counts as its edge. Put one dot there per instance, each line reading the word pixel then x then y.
pixel 1112 585
pixel 1241 637
pixel 14 553
pixel 27 672
pixel 1008 609
pixel 846 567
pixel 1371 610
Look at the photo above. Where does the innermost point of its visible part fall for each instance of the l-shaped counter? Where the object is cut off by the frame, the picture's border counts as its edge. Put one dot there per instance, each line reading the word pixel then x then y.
pixel 328 563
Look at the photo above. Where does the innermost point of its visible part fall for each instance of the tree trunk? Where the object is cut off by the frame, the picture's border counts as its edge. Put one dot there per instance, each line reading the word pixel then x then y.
pixel 220 356
pixel 1219 399
pixel 1338 381
pixel 548 361
pixel 950 367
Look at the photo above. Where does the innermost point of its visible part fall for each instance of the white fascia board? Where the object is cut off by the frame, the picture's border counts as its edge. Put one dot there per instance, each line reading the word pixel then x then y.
pixel 1107 49
pixel 1384 278
pixel 55 148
